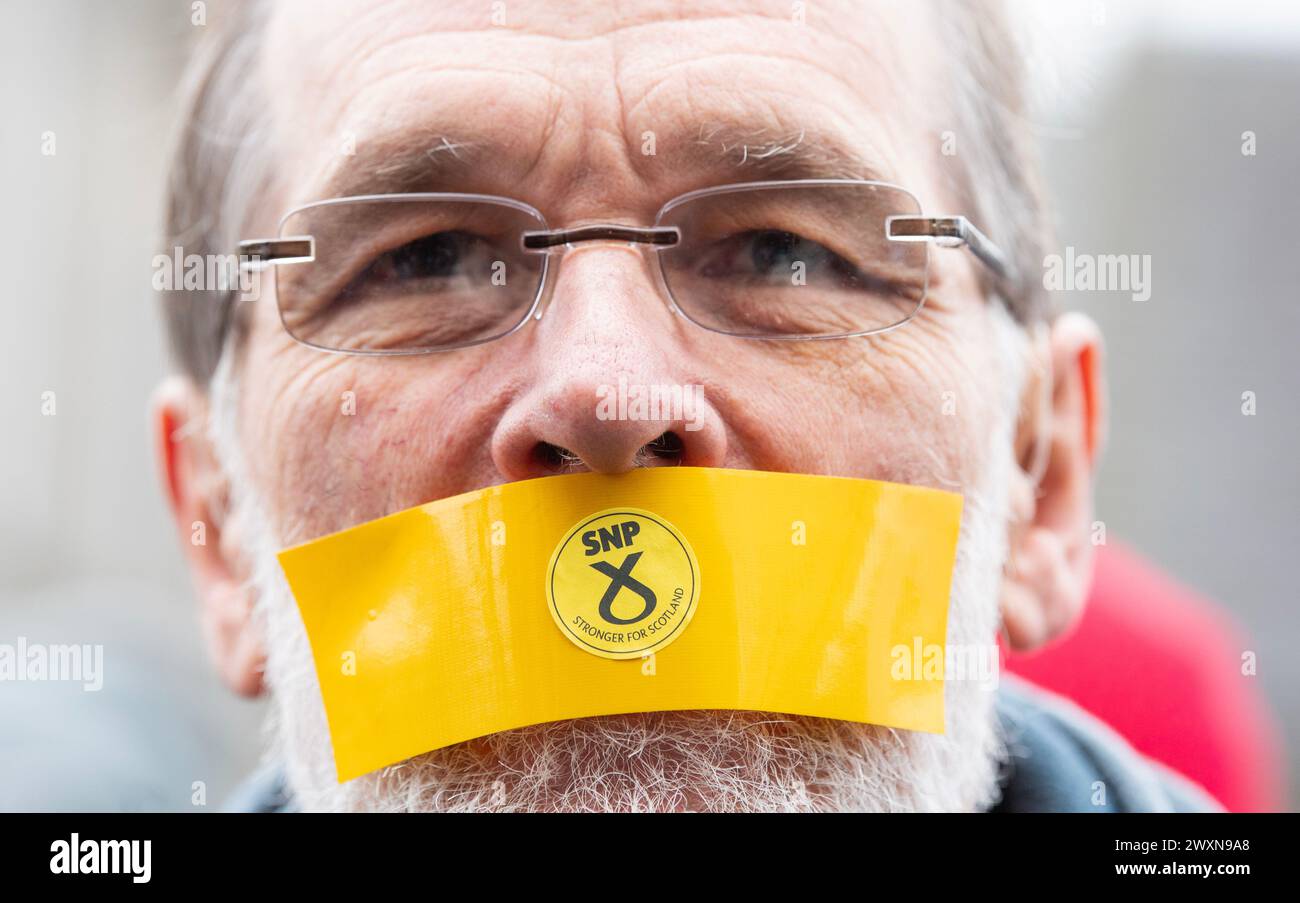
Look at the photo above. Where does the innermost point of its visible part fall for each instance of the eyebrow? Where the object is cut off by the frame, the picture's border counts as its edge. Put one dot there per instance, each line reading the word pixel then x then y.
pixel 431 161
pixel 799 154
pixel 418 161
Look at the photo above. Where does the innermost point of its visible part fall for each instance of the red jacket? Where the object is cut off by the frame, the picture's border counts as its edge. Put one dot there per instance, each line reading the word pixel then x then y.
pixel 1164 668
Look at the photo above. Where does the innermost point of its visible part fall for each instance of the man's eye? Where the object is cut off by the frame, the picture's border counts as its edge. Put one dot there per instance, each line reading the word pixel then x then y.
pixel 443 255
pixel 774 258
pixel 770 250
pixel 771 254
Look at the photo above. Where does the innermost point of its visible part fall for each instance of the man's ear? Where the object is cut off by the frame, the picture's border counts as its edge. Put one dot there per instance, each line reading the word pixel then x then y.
pixel 1061 436
pixel 197 492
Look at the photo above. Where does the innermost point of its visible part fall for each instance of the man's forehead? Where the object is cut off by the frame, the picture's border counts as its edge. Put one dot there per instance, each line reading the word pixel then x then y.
pixel 768 86
pixel 333 25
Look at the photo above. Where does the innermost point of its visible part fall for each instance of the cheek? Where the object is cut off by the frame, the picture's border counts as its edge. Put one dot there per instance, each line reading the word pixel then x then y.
pixel 302 454
pixel 334 440
pixel 944 383
pixel 912 406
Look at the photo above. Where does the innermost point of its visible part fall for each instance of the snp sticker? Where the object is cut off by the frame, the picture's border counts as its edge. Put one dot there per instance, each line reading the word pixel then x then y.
pixel 623 583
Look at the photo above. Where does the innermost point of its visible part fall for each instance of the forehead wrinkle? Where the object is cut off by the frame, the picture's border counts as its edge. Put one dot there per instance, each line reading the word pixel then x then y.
pixel 767 129
pixel 439 145
pixel 353 45
pixel 796 150
pixel 862 49
pixel 730 143
pixel 576 19
pixel 859 60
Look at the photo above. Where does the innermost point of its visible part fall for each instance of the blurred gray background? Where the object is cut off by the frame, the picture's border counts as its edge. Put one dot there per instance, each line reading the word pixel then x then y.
pixel 88 553
pixel 1141 116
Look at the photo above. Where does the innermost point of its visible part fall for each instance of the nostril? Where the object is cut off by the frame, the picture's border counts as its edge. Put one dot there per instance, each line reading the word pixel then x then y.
pixel 555 458
pixel 667 447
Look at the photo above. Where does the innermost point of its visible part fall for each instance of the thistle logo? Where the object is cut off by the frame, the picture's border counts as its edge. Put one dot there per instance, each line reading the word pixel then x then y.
pixel 623 583
pixel 620 577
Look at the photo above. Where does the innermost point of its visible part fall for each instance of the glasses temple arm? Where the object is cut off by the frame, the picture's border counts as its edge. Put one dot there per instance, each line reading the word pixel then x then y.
pixel 949 231
pixel 256 253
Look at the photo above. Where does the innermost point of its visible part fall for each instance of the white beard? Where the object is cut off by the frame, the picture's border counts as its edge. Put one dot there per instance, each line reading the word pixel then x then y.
pixel 666 761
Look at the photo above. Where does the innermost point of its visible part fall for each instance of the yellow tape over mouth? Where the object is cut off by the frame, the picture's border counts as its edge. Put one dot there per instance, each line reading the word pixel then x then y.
pixel 434 625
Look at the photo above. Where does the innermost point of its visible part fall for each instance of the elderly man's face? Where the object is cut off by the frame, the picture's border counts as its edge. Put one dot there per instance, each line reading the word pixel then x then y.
pixel 554 109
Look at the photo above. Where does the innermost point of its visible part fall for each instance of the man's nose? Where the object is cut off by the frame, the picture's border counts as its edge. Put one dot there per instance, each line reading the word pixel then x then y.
pixel 613 386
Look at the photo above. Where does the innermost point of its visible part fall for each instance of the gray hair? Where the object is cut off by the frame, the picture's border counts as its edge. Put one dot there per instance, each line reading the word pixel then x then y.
pixel 219 167
pixel 220 163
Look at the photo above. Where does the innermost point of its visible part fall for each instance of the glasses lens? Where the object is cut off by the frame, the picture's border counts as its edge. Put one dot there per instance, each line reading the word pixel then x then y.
pixel 408 274
pixel 794 261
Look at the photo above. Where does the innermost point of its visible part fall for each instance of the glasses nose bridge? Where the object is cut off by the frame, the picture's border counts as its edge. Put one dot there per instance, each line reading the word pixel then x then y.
pixel 555 245
pixel 547 240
